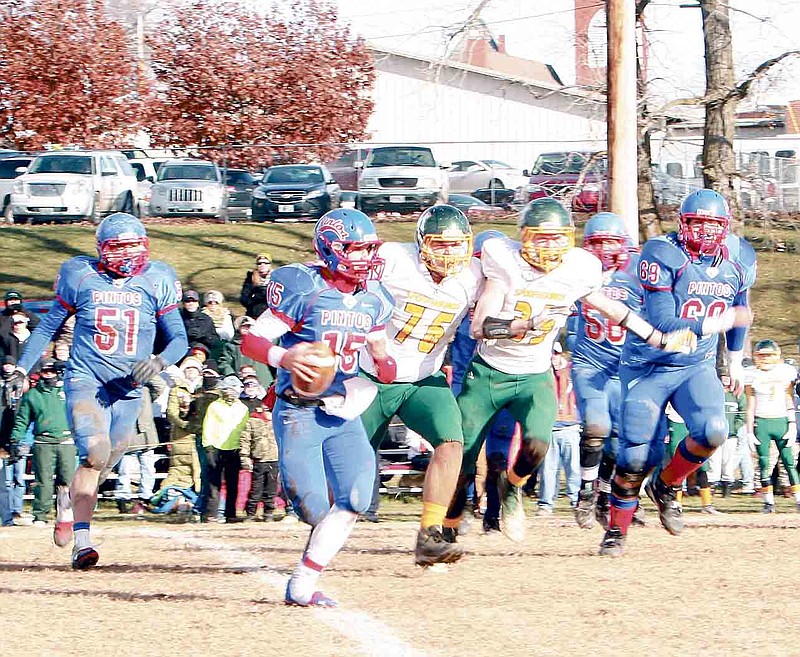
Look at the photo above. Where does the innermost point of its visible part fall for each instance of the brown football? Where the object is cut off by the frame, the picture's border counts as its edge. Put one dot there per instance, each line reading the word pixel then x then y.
pixel 324 366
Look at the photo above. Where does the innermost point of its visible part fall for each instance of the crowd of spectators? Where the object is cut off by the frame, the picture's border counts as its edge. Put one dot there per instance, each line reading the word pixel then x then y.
pixel 208 417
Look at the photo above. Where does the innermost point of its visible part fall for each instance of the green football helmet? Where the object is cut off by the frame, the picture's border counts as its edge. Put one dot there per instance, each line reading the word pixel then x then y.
pixel 444 238
pixel 546 233
pixel 766 354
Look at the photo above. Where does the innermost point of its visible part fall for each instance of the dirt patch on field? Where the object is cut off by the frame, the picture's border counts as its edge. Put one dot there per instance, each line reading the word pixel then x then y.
pixel 175 589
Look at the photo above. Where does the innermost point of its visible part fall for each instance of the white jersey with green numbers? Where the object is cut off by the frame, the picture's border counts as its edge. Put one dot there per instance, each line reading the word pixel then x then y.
pixel 426 314
pixel 532 293
pixel 770 388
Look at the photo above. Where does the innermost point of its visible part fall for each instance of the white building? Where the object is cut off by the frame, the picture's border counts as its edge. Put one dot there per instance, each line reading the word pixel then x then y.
pixel 465 111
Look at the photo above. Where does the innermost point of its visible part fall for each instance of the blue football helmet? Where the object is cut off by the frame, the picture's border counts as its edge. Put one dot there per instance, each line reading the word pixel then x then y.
pixel 122 244
pixel 341 231
pixel 606 236
pixel 481 237
pixel 704 222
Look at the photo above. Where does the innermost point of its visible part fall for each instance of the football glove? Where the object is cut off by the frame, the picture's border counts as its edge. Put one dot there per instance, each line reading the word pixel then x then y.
pixel 146 369
pixel 683 341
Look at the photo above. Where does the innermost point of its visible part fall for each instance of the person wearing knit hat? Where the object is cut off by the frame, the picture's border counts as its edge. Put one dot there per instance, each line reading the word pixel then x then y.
pixel 219 314
pixel 224 421
pixel 13 303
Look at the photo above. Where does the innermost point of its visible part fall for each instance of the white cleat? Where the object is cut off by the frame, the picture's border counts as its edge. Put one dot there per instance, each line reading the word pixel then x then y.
pixel 512 511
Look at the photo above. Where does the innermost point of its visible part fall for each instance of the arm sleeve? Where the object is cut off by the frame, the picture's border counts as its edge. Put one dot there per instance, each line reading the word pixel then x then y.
pixel 735 338
pixel 43 334
pixel 21 420
pixel 174 332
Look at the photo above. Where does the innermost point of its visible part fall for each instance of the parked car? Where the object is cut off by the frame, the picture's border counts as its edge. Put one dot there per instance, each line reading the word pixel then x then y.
pixel 8 173
pixel 240 184
pixel 188 187
pixel 401 178
pixel 295 191
pixel 74 185
pixel 343 169
pixel 474 208
pixel 557 175
pixel 468 175
pixel 146 172
pixel 669 190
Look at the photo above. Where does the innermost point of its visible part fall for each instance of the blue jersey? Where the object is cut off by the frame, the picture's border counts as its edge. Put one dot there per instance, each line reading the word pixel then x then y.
pixel 598 342
pixel 115 318
pixel 681 293
pixel 315 311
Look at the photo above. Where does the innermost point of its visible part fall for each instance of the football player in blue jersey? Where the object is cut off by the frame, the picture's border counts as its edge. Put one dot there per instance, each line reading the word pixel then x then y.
pixel 596 345
pixel 119 299
pixel 321 440
pixel 698 278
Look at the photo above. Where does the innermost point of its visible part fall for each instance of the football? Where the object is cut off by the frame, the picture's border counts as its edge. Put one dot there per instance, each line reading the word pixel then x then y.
pixel 324 364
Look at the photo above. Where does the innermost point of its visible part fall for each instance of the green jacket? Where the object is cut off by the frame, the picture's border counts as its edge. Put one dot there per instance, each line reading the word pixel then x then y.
pixel 46 407
pixel 734 411
pixel 231 360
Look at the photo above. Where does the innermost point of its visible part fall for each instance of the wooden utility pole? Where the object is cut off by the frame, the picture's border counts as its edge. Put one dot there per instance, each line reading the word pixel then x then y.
pixel 719 162
pixel 622 115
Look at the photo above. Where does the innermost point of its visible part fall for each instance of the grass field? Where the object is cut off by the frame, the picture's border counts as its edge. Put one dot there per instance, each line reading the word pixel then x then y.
pixel 216 256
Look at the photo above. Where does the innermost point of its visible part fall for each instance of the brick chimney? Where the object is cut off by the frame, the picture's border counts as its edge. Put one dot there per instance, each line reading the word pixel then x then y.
pixel 480 52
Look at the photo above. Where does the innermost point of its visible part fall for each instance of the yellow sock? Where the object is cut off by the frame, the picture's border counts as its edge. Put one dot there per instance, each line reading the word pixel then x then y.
pixel 705 496
pixel 796 488
pixel 515 480
pixel 679 497
pixel 432 514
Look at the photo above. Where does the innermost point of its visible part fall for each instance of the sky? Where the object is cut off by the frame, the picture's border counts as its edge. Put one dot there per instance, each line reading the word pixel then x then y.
pixel 543 30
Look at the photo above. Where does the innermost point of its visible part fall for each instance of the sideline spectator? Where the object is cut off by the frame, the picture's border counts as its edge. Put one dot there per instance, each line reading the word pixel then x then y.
pixel 12 342
pixel 722 463
pixel 223 424
pixel 13 468
pixel 258 453
pixel 184 463
pixel 54 451
pixel 61 350
pixel 231 358
pixel 564 448
pixel 143 456
pixel 13 301
pixel 213 300
pixel 253 295
pixel 199 326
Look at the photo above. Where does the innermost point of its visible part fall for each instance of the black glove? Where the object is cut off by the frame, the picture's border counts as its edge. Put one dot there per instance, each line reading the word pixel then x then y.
pixel 16 380
pixel 495 328
pixel 146 369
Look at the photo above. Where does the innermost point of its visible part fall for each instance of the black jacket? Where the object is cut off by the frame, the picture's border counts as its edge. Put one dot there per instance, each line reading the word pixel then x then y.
pixel 253 297
pixel 200 328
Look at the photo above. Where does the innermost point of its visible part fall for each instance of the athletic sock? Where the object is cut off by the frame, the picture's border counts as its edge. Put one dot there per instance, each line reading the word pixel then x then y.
pixel 705 496
pixel 621 513
pixel 81 533
pixel 682 464
pixel 515 480
pixel 326 540
pixel 769 496
pixel 432 514
pixel 679 496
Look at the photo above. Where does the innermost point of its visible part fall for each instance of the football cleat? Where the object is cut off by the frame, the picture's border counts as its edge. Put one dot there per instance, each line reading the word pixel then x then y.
pixel 585 508
pixel 602 508
pixel 613 543
pixel 318 599
pixel 432 548
pixel 711 510
pixel 512 511
pixel 768 508
pixel 490 524
pixel 669 509
pixel 450 534
pixel 84 558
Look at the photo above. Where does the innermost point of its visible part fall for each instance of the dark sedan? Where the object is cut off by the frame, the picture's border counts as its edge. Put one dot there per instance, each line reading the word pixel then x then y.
pixel 291 192
pixel 240 184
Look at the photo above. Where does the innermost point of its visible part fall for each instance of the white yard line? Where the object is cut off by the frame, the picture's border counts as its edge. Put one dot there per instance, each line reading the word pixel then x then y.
pixel 371 635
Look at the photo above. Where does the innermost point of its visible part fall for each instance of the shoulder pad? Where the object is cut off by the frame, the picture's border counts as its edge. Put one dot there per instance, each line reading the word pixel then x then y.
pixel 300 279
pixel 664 251
pixel 742 254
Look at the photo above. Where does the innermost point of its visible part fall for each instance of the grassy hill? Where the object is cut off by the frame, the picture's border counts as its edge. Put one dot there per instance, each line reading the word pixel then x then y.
pixel 216 256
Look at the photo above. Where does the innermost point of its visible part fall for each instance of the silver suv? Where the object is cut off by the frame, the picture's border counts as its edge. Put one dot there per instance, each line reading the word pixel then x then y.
pixel 74 185
pixel 401 178
pixel 187 187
